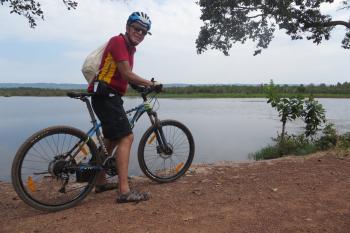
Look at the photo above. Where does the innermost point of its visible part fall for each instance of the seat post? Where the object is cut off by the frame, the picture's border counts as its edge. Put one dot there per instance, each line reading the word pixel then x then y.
pixel 91 112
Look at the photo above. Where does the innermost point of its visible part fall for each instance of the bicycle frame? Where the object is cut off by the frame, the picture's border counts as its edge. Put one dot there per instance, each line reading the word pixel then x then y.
pixel 139 111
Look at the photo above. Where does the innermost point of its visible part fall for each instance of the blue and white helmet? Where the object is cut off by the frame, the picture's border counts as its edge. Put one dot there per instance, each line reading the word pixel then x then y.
pixel 141 18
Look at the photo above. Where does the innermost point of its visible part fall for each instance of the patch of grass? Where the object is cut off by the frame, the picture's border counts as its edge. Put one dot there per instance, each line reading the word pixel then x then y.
pixel 306 149
pixel 269 152
pixel 292 144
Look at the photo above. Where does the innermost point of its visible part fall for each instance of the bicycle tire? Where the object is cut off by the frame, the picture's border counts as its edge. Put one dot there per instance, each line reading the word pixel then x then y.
pixel 33 152
pixel 172 130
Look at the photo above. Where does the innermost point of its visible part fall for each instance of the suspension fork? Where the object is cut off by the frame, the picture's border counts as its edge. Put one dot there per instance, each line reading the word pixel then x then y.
pixel 159 132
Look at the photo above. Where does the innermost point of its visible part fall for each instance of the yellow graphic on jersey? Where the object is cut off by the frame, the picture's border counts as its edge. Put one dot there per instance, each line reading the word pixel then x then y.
pixel 108 69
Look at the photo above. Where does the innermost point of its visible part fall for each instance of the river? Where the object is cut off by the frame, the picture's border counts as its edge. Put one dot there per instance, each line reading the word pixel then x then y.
pixel 223 129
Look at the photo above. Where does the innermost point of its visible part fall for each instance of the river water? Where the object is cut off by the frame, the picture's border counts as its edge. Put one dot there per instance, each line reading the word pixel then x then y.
pixel 223 129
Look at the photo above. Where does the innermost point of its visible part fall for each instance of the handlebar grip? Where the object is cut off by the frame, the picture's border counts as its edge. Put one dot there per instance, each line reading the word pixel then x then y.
pixel 158 88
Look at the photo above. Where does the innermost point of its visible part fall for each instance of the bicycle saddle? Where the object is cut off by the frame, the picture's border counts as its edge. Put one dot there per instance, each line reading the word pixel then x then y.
pixel 79 94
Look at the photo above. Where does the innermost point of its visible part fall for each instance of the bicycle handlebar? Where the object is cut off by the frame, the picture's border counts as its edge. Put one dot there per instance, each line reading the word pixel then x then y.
pixel 144 91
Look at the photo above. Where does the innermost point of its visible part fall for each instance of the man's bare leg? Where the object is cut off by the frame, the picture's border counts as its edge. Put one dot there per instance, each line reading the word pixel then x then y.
pixel 110 145
pixel 122 158
pixel 123 155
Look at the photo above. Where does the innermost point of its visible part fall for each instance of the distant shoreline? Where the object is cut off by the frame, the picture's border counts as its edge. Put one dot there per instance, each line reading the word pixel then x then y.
pixel 205 91
pixel 197 95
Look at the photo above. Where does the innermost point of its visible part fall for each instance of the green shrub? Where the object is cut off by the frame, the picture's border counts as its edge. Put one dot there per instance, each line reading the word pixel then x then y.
pixel 328 139
pixel 295 144
pixel 344 141
pixel 307 149
pixel 292 144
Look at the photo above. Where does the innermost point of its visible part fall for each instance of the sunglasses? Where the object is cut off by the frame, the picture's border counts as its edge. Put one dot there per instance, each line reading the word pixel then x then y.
pixel 139 30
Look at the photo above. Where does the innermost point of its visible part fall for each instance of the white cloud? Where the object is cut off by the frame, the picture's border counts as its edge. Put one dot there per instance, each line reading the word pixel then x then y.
pixel 169 54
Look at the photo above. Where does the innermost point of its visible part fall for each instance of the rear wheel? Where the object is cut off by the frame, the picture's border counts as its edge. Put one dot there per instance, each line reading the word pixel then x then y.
pixel 166 166
pixel 47 177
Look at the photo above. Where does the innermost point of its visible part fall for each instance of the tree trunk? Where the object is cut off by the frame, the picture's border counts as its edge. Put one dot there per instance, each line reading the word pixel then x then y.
pixel 283 131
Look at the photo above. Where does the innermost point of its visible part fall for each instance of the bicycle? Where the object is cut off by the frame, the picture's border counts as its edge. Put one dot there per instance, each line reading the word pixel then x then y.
pixel 57 167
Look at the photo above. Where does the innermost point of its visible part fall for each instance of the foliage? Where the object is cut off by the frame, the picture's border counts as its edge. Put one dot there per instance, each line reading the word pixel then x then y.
pixel 302 145
pixel 288 109
pixel 344 141
pixel 31 9
pixel 291 144
pixel 314 116
pixel 328 139
pixel 295 144
pixel 292 108
pixel 227 22
pixel 268 152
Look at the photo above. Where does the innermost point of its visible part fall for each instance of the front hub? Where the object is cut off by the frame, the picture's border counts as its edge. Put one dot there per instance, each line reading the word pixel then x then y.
pixel 165 153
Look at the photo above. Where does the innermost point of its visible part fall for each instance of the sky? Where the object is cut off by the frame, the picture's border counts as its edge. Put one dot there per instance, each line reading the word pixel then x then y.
pixel 55 50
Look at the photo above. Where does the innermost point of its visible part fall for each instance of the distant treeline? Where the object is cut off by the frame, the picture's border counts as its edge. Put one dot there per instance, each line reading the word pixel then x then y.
pixel 30 91
pixel 340 90
pixel 322 90
pixel 260 89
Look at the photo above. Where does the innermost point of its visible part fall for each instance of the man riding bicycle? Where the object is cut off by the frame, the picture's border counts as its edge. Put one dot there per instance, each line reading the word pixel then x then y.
pixel 110 85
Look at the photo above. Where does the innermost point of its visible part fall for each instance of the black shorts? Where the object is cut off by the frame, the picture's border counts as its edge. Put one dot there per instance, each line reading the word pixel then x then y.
pixel 110 111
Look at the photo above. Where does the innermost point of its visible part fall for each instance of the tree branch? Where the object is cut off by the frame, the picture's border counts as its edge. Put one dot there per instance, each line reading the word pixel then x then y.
pixel 327 24
pixel 255 16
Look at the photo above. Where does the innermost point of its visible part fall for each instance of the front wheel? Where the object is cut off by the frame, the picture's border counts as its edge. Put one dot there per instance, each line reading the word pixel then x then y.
pixel 168 166
pixel 54 169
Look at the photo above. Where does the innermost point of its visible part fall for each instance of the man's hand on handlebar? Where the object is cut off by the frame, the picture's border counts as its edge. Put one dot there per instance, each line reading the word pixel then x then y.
pixel 156 86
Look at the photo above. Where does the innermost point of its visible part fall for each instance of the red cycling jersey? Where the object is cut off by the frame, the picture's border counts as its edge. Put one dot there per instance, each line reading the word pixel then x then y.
pixel 117 50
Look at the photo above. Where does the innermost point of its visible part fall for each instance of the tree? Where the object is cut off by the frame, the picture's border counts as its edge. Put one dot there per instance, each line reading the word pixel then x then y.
pixel 289 109
pixel 31 9
pixel 227 22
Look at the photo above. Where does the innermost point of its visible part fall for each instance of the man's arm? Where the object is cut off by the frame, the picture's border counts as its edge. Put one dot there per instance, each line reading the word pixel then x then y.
pixel 127 74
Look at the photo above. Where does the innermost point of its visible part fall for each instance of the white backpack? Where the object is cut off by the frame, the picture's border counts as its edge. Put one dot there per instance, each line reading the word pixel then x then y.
pixel 91 66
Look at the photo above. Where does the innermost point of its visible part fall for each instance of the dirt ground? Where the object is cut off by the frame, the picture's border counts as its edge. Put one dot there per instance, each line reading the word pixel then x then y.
pixel 293 194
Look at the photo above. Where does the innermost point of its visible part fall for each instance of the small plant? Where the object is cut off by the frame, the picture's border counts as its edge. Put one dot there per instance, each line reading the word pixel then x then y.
pixel 328 139
pixel 297 145
pixel 288 108
pixel 291 144
pixel 269 152
pixel 344 141
pixel 313 115
pixel 302 145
